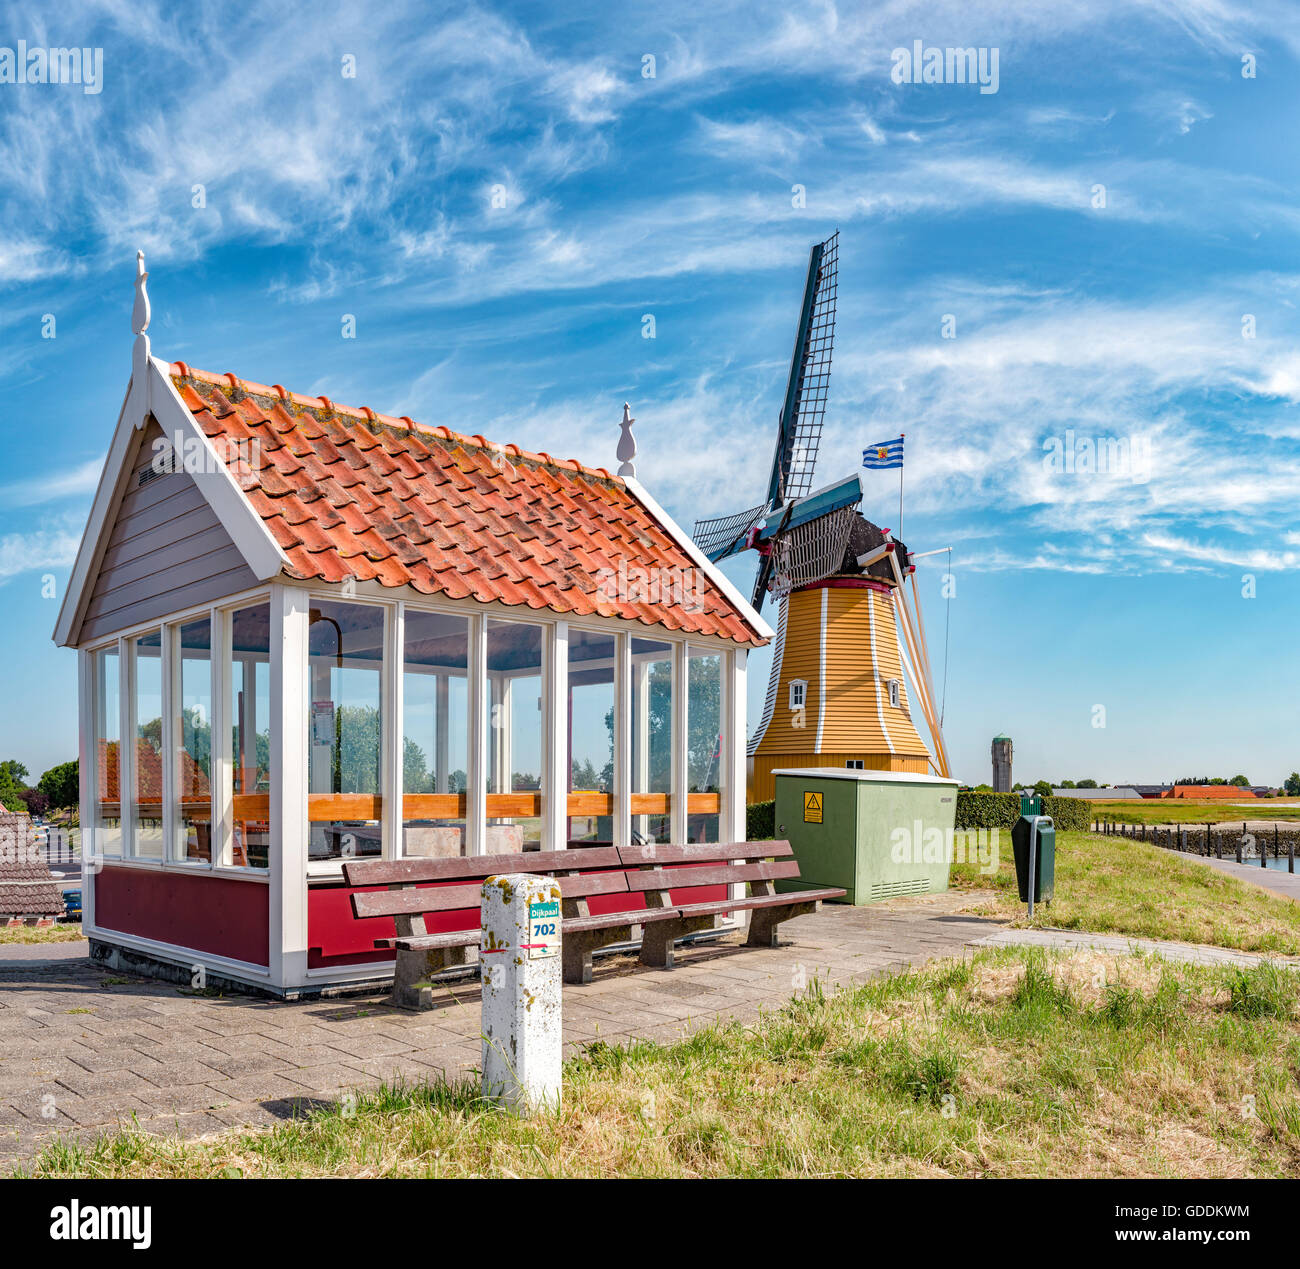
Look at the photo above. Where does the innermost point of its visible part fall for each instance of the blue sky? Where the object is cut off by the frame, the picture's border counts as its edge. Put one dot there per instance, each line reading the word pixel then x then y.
pixel 500 196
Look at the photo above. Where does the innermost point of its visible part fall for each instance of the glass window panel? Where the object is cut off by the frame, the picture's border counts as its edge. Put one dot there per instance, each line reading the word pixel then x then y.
pixel 147 777
pixel 591 735
pixel 108 722
pixel 652 737
pixel 249 722
pixel 435 743
pixel 345 730
pixel 704 743
pixel 194 741
pixel 515 723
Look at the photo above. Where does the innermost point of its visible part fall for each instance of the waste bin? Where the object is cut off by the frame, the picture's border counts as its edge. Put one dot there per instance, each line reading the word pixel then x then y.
pixel 1026 827
pixel 876 834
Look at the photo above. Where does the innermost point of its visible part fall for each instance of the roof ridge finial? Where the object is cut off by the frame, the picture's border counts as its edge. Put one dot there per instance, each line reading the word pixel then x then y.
pixel 626 451
pixel 140 314
pixel 141 354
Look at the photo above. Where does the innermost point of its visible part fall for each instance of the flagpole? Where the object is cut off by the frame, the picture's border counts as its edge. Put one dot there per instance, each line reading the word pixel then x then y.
pixel 901 435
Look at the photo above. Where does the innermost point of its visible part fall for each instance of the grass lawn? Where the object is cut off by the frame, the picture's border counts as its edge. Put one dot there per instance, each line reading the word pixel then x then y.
pixel 68 933
pixel 1110 885
pixel 1178 811
pixel 1015 1063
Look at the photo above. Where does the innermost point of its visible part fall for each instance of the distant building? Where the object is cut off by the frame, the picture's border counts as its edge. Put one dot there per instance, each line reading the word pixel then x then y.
pixel 1205 792
pixel 1121 793
pixel 1152 790
pixel 1001 764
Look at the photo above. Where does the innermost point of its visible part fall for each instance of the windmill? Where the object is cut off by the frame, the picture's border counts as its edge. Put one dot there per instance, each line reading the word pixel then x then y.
pixel 837 695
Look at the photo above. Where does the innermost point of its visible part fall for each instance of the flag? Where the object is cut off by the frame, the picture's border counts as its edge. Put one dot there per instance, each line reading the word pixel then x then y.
pixel 884 455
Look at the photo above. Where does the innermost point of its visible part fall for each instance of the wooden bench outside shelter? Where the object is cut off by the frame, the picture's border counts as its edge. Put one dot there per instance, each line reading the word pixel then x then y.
pixel 419 888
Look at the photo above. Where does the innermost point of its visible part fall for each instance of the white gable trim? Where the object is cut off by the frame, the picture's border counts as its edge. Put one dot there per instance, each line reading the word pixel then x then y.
pixel 248 530
pixel 158 396
pixel 699 559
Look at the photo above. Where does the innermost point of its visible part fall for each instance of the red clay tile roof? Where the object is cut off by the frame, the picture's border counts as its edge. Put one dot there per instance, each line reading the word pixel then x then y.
pixel 351 493
pixel 27 888
pixel 1204 792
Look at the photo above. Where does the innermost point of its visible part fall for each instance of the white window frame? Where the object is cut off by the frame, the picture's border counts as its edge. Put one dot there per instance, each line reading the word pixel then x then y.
pixel 798 694
pixel 895 693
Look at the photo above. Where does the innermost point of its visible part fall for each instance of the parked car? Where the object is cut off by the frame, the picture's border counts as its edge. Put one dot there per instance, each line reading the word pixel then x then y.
pixel 72 905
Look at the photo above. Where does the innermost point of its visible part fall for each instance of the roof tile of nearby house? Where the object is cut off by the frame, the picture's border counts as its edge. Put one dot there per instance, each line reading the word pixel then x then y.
pixel 27 888
pixel 349 493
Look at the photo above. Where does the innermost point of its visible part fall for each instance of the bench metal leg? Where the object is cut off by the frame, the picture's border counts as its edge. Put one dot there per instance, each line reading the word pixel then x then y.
pixel 658 937
pixel 577 959
pixel 763 922
pixel 578 949
pixel 411 986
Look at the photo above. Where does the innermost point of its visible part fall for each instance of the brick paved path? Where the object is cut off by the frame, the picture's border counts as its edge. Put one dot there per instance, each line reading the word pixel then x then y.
pixel 82 1049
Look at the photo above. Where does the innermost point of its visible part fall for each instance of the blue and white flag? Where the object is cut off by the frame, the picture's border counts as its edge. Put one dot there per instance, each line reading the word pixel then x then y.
pixel 884 455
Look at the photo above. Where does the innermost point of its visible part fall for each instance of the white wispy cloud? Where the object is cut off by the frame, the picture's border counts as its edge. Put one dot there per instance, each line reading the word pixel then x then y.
pixel 38 549
pixel 53 486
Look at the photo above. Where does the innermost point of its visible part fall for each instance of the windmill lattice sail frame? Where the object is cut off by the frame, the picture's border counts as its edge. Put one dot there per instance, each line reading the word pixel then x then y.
pixel 810 386
pixel 810 552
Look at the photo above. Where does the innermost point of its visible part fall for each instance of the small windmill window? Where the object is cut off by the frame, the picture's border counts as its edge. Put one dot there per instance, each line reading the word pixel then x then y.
pixel 798 693
pixel 854 764
pixel 895 693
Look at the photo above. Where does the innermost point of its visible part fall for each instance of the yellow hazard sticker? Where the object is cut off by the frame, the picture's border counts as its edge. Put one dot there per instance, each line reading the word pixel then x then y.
pixel 812 808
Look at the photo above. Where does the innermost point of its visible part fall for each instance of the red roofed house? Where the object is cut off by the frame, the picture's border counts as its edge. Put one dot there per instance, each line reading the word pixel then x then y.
pixel 1209 792
pixel 332 632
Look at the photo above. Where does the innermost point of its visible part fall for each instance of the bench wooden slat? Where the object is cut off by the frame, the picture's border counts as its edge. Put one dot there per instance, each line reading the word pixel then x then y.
pixel 427 942
pixel 412 899
pixel 683 877
pixel 640 916
pixel 583 885
pixel 382 903
pixel 389 872
pixel 469 938
pixel 716 906
pixel 701 852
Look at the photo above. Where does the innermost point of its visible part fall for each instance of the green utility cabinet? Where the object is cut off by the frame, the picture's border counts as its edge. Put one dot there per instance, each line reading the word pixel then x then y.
pixel 877 834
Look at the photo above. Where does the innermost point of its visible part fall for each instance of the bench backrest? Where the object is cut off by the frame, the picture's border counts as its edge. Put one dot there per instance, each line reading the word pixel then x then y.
pixel 636 869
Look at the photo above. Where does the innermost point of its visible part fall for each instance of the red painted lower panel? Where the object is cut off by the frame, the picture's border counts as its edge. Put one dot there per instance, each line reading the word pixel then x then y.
pixel 191 910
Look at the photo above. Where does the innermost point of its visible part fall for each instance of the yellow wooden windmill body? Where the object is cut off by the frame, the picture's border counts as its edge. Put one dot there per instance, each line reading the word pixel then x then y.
pixel 838 693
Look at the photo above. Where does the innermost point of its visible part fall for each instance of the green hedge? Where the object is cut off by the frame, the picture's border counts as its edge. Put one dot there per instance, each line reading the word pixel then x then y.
pixel 1069 814
pixel 1002 810
pixel 974 810
pixel 987 810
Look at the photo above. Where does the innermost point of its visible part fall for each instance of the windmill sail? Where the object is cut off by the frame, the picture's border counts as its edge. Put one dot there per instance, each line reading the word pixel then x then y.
pixel 799 429
pixel 804 409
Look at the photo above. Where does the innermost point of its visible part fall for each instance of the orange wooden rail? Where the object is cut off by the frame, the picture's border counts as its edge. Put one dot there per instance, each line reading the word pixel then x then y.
pixel 342 807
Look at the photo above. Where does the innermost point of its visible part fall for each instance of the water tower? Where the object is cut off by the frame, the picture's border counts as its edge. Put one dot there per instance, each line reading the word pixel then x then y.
pixel 1001 764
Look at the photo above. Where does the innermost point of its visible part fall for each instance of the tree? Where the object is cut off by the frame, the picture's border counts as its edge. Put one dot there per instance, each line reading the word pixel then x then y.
pixel 1042 789
pixel 61 785
pixel 12 777
pixel 1086 784
pixel 36 802
pixel 1240 781
pixel 1292 785
pixel 1067 784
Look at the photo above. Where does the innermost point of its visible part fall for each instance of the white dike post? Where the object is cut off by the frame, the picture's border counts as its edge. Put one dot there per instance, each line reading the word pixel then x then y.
pixel 520 959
